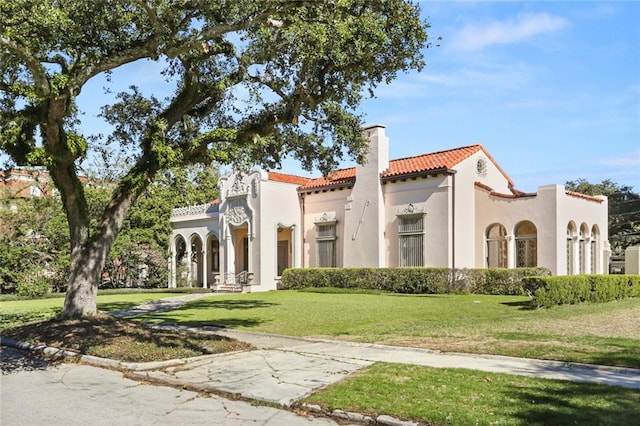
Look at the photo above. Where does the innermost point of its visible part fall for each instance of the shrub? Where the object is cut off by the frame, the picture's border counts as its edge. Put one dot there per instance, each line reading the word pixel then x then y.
pixel 413 280
pixel 33 286
pixel 503 281
pixel 559 290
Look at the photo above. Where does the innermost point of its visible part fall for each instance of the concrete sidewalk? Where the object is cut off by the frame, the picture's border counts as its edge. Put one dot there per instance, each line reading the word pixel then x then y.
pixel 285 369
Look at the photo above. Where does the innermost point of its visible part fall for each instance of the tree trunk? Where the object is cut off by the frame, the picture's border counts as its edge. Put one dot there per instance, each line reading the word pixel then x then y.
pixel 82 290
pixel 88 259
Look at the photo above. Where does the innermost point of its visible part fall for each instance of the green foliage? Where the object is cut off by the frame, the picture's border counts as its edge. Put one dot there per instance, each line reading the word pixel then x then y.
pixel 35 236
pixel 33 285
pixel 413 280
pixel 572 289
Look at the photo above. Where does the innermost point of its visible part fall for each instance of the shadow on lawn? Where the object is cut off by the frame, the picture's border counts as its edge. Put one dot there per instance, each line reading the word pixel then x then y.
pixel 177 316
pixel 227 304
pixel 575 403
pixel 524 305
pixel 116 306
pixel 217 323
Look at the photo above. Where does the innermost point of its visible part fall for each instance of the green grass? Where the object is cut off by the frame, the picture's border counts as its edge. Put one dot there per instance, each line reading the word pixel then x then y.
pixel 13 313
pixel 607 333
pixel 465 397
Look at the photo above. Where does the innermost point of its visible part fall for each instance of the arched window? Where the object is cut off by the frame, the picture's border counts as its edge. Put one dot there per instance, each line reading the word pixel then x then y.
pixel 594 248
pixel 526 245
pixel 496 238
pixel 571 233
pixel 582 248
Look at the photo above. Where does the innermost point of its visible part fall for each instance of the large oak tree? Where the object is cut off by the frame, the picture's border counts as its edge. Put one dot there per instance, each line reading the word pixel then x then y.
pixel 254 81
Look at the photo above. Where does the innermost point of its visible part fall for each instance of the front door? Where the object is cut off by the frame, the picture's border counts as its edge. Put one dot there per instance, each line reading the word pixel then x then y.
pixel 283 256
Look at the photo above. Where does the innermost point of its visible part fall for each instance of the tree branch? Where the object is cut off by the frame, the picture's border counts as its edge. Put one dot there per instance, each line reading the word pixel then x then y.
pixel 33 65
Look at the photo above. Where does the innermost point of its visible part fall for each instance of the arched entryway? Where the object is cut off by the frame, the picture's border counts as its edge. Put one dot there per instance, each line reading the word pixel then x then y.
pixel 197 271
pixel 179 267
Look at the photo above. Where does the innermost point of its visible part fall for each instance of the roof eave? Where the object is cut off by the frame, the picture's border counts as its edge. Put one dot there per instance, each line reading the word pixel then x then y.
pixel 424 173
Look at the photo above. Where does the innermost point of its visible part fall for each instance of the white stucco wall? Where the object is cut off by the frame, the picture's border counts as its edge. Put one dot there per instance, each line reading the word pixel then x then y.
pixel 364 221
pixel 279 206
pixel 431 195
pixel 316 204
pixel 467 173
pixel 550 211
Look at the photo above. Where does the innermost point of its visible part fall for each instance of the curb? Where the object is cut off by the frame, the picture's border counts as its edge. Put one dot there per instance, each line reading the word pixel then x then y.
pixel 382 419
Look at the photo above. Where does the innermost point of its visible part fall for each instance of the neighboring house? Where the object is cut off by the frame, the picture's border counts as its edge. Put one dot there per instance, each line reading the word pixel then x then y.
pixel 455 208
pixel 33 182
pixel 22 183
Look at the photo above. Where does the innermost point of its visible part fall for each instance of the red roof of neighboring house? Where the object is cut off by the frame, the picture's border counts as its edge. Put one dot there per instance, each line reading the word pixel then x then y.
pixel 287 178
pixel 441 160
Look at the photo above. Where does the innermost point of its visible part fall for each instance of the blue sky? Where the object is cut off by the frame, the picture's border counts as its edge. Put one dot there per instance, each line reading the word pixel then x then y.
pixel 551 89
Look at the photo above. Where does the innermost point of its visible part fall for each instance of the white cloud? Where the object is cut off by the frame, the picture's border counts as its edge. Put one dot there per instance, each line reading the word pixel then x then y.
pixel 476 37
pixel 630 160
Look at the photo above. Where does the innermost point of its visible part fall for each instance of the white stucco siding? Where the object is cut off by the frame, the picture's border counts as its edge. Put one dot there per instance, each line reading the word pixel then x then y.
pixel 550 211
pixel 509 212
pixel 477 168
pixel 279 206
pixel 580 211
pixel 315 206
pixel 364 243
pixel 430 195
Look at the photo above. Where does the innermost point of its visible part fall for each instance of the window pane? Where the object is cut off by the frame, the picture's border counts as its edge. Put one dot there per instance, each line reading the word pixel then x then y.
pixel 497 231
pixel 497 254
pixel 411 224
pixel 326 231
pixel 411 250
pixel 569 256
pixel 326 253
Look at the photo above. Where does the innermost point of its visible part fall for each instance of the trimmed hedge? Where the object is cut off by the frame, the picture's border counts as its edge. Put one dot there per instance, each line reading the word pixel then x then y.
pixel 413 280
pixel 570 289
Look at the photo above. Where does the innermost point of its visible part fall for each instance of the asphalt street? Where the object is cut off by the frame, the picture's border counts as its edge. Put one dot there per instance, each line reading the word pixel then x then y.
pixel 35 392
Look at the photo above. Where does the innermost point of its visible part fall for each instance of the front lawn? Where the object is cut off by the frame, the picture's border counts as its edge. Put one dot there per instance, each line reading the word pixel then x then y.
pixel 607 333
pixel 465 397
pixel 17 312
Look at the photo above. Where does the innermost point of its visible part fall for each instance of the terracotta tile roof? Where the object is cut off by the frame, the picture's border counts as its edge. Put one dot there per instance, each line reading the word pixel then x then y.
pixel 430 162
pixel 338 178
pixel 283 177
pixel 584 196
pixel 420 164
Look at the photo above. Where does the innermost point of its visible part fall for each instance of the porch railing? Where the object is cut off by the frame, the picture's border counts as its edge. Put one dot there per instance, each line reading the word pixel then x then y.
pixel 233 282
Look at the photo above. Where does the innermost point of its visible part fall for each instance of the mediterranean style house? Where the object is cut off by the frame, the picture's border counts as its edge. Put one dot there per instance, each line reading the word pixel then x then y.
pixel 455 208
